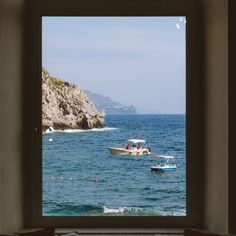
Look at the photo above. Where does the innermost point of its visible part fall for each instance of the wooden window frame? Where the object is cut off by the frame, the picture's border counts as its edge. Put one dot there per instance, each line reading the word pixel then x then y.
pixel 33 131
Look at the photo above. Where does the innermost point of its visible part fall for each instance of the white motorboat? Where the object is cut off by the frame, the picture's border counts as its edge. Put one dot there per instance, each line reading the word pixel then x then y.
pixel 133 149
pixel 166 163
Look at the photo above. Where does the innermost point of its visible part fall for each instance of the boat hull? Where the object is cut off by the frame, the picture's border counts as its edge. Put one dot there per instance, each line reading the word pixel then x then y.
pixel 130 152
pixel 164 168
pixel 118 151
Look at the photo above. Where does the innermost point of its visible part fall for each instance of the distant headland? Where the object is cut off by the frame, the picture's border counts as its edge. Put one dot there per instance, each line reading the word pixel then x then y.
pixel 106 104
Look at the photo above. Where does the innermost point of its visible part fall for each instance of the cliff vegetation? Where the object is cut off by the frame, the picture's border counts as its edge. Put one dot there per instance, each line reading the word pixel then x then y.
pixel 66 106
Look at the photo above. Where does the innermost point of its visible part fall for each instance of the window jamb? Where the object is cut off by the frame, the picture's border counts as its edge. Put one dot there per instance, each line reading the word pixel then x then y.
pixel 193 109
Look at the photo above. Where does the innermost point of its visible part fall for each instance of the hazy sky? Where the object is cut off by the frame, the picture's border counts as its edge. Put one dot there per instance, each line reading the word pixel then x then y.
pixel 133 60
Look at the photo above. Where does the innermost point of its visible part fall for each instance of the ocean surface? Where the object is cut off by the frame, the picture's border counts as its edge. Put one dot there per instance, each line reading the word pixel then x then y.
pixel 81 178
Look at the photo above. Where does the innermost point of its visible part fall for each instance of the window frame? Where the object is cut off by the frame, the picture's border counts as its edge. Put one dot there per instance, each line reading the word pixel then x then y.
pixel 33 150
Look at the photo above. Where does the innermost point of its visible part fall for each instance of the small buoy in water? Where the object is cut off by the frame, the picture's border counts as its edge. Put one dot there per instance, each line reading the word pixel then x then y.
pixel 95 179
pixel 50 140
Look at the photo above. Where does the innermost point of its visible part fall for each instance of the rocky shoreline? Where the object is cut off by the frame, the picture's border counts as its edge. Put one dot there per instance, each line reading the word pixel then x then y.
pixel 66 106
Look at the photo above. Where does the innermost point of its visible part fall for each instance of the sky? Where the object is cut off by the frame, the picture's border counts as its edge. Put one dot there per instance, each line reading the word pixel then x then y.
pixel 136 61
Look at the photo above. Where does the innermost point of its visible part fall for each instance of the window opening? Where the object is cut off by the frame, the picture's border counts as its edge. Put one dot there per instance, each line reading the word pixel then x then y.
pixel 113 116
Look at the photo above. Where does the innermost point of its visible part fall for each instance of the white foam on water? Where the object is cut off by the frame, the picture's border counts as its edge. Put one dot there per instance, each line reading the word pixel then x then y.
pixel 119 210
pixel 82 130
pixel 89 130
pixel 71 131
pixel 112 210
pixel 104 129
pixel 177 213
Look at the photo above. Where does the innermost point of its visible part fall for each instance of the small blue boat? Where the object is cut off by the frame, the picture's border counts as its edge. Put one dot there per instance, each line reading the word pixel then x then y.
pixel 166 164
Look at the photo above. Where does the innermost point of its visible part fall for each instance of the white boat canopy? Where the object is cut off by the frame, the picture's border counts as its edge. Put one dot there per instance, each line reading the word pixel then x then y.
pixel 136 140
pixel 165 157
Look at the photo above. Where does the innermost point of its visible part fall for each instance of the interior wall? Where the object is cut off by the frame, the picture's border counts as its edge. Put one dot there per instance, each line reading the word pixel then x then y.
pixel 214 59
pixel 232 117
pixel 11 60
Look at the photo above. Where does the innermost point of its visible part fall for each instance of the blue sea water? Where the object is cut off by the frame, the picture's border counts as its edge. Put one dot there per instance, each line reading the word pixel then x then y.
pixel 81 178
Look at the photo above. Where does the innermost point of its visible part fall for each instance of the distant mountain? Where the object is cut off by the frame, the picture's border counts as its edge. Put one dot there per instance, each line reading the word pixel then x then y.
pixel 104 103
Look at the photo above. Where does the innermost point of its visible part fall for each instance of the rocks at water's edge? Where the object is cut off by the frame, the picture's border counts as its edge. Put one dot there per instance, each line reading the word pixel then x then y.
pixel 66 106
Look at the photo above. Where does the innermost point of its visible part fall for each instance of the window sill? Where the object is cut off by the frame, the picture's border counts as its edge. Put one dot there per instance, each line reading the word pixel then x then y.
pixel 114 231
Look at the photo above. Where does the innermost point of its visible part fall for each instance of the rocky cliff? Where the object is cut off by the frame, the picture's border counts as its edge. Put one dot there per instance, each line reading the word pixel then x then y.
pixel 66 106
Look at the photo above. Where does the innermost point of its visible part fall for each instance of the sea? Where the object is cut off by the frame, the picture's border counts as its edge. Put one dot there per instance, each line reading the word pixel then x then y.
pixel 81 177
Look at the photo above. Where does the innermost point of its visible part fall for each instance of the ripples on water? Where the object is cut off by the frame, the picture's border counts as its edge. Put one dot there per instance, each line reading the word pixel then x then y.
pixel 81 178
